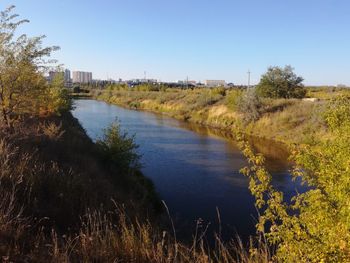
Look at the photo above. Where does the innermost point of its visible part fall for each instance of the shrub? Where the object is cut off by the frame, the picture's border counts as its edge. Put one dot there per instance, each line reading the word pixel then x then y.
pixel 119 148
pixel 338 113
pixel 219 90
pixel 232 98
pixel 249 104
pixel 52 130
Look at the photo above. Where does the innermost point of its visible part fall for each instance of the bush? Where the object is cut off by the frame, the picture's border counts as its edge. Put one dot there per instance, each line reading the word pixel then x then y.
pixel 119 148
pixel 338 113
pixel 219 91
pixel 249 104
pixel 232 98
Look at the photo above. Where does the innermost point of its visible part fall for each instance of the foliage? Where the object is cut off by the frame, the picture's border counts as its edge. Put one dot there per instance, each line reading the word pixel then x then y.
pixel 57 96
pixel 249 104
pixel 219 90
pixel 23 61
pixel 119 148
pixel 313 226
pixel 337 115
pixel 280 82
pixel 232 97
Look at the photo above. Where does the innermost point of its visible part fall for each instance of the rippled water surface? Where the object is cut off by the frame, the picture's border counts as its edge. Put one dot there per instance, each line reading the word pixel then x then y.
pixel 194 169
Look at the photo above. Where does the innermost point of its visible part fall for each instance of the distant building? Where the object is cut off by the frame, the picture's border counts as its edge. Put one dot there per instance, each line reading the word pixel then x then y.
pixel 53 75
pixel 82 77
pixel 64 75
pixel 215 83
pixel 67 78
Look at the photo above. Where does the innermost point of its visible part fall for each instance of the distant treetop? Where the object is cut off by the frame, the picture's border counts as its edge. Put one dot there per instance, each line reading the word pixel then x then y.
pixel 280 82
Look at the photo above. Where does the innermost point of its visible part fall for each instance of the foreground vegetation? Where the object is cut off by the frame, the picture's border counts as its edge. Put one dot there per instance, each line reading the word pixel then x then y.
pixel 312 226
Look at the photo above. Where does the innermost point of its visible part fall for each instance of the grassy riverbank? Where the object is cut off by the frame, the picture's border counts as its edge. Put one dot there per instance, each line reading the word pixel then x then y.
pixel 67 199
pixel 52 174
pixel 284 120
pixel 64 198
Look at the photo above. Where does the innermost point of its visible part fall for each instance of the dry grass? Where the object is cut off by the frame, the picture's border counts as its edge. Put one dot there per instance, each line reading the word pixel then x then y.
pixel 327 93
pixel 285 120
pixel 294 121
pixel 52 130
pixel 47 187
pixel 99 240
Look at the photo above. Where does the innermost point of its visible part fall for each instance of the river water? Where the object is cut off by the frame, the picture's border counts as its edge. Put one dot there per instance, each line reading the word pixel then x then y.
pixel 195 170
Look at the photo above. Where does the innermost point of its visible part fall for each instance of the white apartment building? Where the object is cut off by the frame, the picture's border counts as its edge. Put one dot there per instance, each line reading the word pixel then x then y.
pixel 82 77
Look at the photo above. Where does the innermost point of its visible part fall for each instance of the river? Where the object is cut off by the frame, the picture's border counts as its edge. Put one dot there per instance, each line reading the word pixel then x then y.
pixel 194 169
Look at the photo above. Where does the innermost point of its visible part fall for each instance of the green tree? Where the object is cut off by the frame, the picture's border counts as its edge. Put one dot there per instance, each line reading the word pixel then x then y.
pixel 119 148
pixel 23 61
pixel 56 96
pixel 315 225
pixel 280 82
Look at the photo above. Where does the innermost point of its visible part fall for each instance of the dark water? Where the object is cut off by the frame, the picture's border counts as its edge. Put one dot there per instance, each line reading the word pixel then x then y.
pixel 194 169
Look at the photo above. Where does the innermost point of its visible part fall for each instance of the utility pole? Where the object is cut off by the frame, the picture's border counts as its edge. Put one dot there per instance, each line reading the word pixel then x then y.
pixel 144 73
pixel 248 78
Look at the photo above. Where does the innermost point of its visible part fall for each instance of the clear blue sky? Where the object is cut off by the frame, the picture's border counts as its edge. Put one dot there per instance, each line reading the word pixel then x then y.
pixel 202 39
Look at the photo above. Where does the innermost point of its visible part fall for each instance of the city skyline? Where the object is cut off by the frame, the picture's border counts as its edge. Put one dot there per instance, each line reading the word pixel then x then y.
pixel 85 77
pixel 197 39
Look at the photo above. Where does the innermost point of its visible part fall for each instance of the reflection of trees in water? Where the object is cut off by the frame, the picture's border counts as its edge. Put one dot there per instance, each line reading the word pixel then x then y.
pixel 276 154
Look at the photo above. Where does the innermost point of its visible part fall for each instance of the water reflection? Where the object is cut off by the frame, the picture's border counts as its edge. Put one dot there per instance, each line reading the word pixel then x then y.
pixel 194 169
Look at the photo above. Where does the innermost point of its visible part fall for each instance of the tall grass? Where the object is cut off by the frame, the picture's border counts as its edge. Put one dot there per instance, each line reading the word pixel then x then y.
pixel 55 204
pixel 99 239
pixel 285 120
